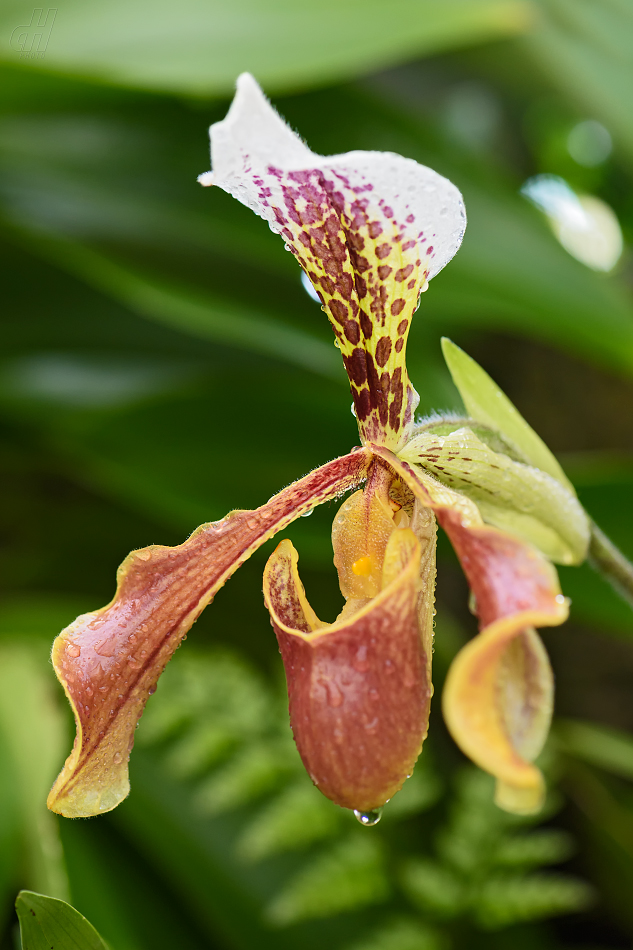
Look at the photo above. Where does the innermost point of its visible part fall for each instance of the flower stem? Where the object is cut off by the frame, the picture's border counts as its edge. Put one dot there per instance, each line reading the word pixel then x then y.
pixel 605 558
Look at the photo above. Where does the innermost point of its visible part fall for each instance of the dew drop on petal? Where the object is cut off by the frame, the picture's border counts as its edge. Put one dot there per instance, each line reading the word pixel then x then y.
pixel 306 514
pixel 117 758
pixel 368 818
pixel 73 649
pixel 353 410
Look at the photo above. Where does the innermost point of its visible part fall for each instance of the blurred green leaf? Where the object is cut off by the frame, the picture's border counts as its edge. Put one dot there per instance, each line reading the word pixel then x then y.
pixel 201 49
pixel 222 321
pixel 586 47
pixel 486 403
pixel 348 876
pixel 47 923
pixel 34 736
pixel 507 900
pixel 609 749
pixel 401 933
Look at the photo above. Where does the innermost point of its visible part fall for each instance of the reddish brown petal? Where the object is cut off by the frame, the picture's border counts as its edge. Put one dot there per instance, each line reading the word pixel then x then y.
pixel 360 688
pixel 109 661
pixel 498 695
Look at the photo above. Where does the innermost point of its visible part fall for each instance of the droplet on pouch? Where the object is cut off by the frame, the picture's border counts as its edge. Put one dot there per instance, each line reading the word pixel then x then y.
pixel 73 649
pixel 117 758
pixel 334 694
pixel 368 818
pixel 360 662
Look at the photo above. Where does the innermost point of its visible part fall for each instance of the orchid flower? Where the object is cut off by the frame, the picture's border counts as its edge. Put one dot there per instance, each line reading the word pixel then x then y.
pixel 370 230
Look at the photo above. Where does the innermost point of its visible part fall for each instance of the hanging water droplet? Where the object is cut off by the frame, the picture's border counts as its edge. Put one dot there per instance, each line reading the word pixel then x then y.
pixel 368 818
pixel 353 410
pixel 306 514
pixel 337 344
pixel 424 287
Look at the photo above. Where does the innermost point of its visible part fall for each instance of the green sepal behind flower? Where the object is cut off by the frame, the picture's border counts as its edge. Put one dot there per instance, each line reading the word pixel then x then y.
pixel 488 404
pixel 510 495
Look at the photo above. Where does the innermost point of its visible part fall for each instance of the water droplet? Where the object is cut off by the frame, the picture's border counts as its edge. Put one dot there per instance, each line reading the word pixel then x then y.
pixel 368 818
pixel 73 649
pixel 360 660
pixel 117 758
pixel 337 344
pixel 306 514
pixel 334 695
pixel 353 410
pixel 424 287
pixel 152 689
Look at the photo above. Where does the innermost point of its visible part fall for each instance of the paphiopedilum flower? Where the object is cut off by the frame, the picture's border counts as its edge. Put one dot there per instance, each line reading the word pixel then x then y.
pixel 370 230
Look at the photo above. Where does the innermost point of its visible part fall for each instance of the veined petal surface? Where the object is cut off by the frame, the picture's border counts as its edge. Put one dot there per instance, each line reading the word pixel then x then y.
pixel 109 661
pixel 360 689
pixel 511 495
pixel 368 228
pixel 497 698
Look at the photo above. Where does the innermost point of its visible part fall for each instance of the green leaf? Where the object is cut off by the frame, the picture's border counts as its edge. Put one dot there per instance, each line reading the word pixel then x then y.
pixel 548 846
pixel 401 933
pixel 192 311
pixel 609 749
pixel 201 48
pixel 50 924
pixel 584 46
pixel 293 820
pixel 348 876
pixel 434 887
pixel 486 403
pixel 508 900
pixel 34 736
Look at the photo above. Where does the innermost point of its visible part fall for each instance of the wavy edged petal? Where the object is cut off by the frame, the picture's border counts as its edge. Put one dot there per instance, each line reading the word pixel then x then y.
pixel 109 661
pixel 498 695
pixel 497 703
pixel 359 689
pixel 368 228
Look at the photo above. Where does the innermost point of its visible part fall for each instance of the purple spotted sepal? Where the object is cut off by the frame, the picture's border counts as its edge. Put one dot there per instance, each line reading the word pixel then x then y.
pixel 368 228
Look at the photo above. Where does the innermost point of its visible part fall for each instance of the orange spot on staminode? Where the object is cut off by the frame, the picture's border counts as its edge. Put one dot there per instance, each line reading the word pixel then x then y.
pixel 362 567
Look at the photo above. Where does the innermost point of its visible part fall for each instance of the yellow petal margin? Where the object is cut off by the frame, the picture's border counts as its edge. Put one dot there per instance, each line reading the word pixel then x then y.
pixel 109 661
pixel 497 699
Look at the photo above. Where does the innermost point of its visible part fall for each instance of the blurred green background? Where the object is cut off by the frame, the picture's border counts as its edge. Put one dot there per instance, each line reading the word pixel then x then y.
pixel 137 306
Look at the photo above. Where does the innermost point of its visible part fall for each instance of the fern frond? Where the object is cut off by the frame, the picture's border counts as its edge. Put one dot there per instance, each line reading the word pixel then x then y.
pixel 349 876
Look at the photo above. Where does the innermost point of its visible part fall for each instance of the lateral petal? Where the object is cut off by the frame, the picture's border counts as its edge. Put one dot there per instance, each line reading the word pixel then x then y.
pixel 368 228
pixel 109 661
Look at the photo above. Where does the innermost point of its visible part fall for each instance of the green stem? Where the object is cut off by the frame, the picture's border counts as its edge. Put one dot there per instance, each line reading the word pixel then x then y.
pixel 605 558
